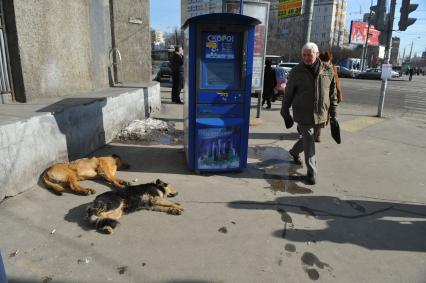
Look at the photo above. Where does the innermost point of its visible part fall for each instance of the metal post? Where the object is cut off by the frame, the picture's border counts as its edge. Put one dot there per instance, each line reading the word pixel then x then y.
pixel 241 7
pixel 309 7
pixel 364 49
pixel 387 55
pixel 366 44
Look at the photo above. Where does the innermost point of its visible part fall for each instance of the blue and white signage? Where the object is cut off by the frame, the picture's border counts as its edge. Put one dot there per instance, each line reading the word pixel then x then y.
pixel 220 46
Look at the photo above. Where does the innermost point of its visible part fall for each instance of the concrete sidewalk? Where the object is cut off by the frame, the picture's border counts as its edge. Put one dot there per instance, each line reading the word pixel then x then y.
pixel 365 220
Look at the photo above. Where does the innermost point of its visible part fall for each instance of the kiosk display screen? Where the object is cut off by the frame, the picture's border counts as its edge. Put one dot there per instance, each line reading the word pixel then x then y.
pixel 220 64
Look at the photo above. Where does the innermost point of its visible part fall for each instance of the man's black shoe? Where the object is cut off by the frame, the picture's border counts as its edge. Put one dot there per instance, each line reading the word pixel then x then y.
pixel 310 179
pixel 179 102
pixel 296 158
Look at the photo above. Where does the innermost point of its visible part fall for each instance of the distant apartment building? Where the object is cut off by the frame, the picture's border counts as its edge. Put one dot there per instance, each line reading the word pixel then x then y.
pixel 328 28
pixel 394 51
pixel 192 8
pixel 157 39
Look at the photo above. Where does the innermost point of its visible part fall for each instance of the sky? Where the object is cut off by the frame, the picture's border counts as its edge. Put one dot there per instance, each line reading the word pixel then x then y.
pixel 165 16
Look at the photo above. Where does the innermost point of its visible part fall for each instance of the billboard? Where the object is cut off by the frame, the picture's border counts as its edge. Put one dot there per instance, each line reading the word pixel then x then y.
pixel 289 8
pixel 260 11
pixel 358 34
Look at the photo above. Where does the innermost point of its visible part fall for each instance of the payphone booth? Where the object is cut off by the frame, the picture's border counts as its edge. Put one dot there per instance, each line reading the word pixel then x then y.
pixel 218 75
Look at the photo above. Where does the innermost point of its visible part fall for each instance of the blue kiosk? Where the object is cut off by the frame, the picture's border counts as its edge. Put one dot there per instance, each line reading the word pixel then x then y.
pixel 218 73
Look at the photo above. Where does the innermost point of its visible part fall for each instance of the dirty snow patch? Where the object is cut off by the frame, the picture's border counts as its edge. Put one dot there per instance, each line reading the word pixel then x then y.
pixel 139 129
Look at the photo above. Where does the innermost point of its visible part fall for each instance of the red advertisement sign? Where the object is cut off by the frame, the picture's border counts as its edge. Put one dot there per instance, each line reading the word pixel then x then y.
pixel 359 34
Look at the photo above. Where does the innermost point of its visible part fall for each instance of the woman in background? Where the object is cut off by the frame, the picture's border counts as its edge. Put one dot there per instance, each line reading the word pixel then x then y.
pixel 327 57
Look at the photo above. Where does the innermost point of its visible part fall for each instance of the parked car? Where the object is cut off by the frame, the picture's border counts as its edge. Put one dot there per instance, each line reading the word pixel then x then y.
pixel 375 74
pixel 343 72
pixel 164 71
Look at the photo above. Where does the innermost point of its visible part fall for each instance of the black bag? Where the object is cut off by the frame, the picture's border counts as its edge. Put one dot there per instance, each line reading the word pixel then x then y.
pixel 335 130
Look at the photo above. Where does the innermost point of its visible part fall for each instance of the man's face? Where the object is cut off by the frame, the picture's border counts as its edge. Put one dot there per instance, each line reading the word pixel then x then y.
pixel 309 57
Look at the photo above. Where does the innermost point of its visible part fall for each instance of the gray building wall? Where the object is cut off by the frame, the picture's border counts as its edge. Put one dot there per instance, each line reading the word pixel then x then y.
pixel 133 40
pixel 62 47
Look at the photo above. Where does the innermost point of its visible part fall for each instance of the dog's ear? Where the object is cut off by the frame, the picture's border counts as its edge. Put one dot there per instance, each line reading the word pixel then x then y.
pixel 115 156
pixel 160 183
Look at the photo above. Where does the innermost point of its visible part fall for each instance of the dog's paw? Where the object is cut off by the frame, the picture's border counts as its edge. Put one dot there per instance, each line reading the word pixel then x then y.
pixel 89 192
pixel 175 211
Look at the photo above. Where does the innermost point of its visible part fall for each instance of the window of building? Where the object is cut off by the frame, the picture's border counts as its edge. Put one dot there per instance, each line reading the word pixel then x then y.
pixel 323 35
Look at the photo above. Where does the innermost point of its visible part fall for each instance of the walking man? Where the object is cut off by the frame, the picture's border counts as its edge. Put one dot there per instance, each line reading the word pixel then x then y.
pixel 310 91
pixel 176 62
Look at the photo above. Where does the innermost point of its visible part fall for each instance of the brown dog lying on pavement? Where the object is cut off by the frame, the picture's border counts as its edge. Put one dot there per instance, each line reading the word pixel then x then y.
pixel 82 169
pixel 108 207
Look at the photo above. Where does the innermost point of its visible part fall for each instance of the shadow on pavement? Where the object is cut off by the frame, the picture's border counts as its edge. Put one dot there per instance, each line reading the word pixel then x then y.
pixel 78 215
pixel 274 136
pixel 375 225
pixel 272 164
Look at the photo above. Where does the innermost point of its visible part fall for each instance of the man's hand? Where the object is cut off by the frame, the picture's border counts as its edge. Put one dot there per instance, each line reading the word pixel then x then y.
pixel 288 120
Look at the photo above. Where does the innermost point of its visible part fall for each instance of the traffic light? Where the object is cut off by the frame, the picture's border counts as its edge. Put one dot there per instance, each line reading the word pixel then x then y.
pixel 377 18
pixel 404 20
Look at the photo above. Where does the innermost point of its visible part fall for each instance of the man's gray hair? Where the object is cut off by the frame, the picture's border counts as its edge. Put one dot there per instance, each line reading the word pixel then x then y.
pixel 310 46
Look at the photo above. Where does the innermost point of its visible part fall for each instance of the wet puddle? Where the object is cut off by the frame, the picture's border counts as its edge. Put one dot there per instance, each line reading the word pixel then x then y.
pixel 309 262
pixel 278 170
pixel 312 260
pixel 290 248
pixel 287 186
pixel 312 273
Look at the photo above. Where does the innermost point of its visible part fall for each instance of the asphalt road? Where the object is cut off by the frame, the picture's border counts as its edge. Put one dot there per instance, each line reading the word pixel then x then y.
pixel 401 95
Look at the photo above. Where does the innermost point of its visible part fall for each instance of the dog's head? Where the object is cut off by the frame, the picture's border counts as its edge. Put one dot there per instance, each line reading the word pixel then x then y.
pixel 167 188
pixel 120 163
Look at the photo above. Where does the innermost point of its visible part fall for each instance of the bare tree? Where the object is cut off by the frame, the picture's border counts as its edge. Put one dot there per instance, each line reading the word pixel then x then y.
pixel 285 38
pixel 173 38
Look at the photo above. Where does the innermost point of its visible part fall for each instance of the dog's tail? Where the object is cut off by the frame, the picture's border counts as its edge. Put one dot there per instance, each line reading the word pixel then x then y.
pixel 105 225
pixel 57 188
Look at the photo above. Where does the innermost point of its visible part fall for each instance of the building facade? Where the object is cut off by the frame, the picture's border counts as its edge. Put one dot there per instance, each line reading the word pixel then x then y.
pixel 328 28
pixel 157 39
pixel 394 60
pixel 78 46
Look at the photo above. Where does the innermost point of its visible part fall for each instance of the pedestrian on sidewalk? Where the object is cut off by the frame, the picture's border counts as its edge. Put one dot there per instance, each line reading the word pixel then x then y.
pixel 269 83
pixel 410 72
pixel 176 62
pixel 311 92
pixel 327 57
